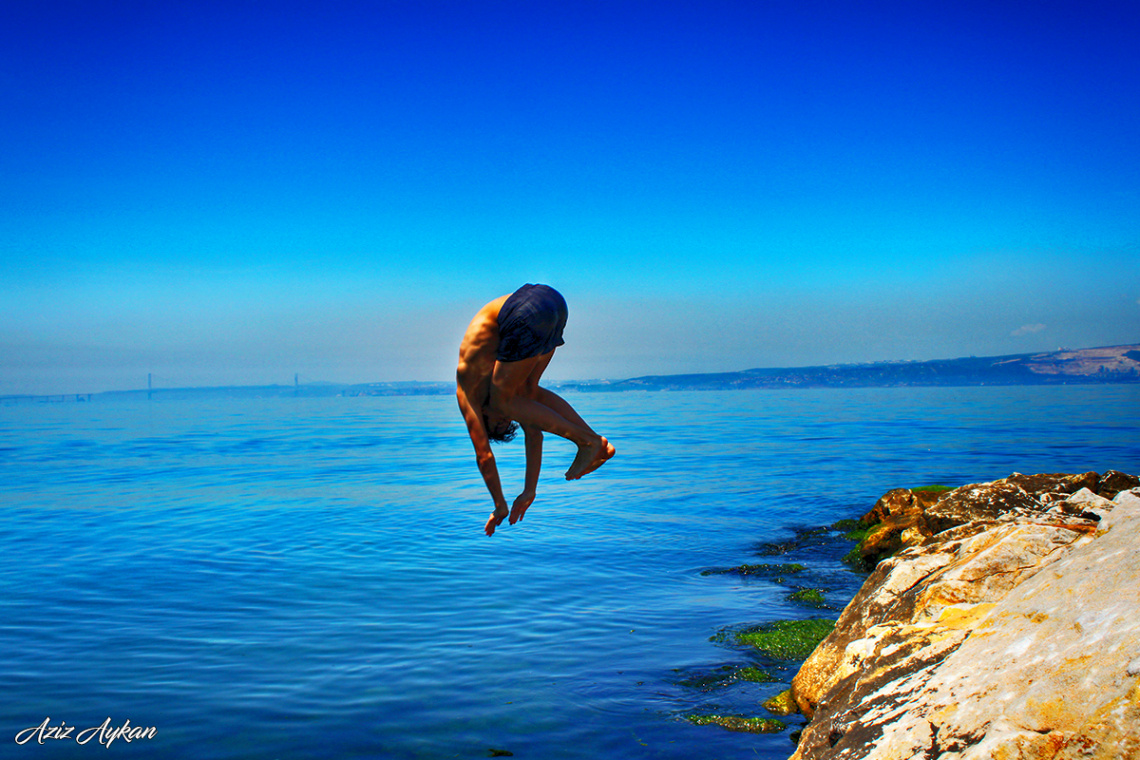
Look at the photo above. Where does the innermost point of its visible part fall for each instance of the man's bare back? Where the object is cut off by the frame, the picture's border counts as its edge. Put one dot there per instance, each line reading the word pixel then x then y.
pixel 505 350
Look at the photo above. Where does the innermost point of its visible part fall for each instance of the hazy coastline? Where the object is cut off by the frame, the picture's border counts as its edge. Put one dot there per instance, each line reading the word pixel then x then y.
pixel 1108 364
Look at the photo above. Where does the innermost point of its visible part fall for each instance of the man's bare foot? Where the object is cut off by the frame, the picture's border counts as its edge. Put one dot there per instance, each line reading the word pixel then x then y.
pixel 494 520
pixel 608 452
pixel 590 457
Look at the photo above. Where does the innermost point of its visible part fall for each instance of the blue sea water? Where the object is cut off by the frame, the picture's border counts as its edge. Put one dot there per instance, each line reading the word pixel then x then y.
pixel 303 578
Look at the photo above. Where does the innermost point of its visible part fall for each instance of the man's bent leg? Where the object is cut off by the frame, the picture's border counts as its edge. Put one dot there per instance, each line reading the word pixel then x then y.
pixel 530 385
pixel 509 396
pixel 511 380
pixel 547 397
pixel 557 403
pixel 552 400
pixel 562 406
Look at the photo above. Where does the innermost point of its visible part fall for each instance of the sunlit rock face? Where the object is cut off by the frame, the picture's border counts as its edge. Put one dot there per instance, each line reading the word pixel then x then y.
pixel 903 517
pixel 1013 634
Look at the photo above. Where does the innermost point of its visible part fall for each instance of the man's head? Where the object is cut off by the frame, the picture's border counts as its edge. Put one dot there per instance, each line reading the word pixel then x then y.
pixel 500 429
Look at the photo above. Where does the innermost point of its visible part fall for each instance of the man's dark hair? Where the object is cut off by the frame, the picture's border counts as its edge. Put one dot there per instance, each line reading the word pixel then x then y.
pixel 504 433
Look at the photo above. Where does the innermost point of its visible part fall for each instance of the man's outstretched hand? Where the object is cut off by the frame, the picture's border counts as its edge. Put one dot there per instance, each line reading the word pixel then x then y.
pixel 518 509
pixel 495 519
pixel 522 503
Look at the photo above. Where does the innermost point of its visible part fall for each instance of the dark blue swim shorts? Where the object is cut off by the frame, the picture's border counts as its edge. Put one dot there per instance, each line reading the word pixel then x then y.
pixel 531 323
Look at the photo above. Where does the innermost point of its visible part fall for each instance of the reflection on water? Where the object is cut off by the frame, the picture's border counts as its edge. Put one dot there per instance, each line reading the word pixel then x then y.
pixel 309 578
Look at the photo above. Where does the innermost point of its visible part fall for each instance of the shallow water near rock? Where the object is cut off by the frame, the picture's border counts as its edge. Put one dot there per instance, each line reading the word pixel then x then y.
pixel 308 577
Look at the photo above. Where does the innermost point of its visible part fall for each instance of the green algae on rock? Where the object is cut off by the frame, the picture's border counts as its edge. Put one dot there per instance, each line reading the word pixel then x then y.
pixel 765 570
pixel 803 539
pixel 739 723
pixel 783 639
pixel 782 704
pixel 753 675
pixel 811 596
pixel 854 559
pixel 859 532
pixel 705 681
pixel 726 675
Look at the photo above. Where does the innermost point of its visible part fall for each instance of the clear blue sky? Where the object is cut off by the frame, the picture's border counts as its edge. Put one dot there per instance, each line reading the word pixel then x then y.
pixel 232 192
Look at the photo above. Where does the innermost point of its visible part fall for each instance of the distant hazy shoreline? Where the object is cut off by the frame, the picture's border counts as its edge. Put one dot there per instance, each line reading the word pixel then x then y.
pixel 1110 364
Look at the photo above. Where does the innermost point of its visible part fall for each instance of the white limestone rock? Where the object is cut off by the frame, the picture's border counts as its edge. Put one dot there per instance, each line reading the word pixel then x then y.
pixel 1020 641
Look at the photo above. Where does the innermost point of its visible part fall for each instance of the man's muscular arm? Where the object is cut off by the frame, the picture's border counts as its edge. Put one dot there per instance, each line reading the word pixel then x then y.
pixel 533 466
pixel 483 456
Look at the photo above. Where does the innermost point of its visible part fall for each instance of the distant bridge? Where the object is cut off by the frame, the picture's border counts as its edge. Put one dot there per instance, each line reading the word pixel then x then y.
pixel 55 398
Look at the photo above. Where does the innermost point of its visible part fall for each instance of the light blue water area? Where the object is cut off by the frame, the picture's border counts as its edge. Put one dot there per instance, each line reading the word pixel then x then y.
pixel 308 577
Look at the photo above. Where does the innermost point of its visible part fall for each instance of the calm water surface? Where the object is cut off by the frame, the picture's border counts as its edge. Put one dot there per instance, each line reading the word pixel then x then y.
pixel 303 578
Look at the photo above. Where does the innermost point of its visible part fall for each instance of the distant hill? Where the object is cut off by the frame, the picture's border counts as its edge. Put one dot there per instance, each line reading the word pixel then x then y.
pixel 1113 364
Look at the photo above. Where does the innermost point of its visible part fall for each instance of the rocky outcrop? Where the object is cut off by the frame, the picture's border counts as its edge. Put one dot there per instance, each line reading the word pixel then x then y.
pixel 1007 625
pixel 1113 482
pixel 903 517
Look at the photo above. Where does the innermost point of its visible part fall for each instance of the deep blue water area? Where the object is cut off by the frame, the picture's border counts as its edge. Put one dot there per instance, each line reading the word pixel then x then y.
pixel 303 578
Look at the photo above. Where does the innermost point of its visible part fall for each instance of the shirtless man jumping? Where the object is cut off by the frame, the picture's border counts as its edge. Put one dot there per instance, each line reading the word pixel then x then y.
pixel 504 352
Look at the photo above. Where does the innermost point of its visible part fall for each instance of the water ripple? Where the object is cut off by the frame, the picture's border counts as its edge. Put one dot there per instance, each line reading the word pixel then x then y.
pixel 302 578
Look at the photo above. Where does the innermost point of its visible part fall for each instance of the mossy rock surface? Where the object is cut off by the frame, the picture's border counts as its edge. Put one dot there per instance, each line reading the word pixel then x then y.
pixel 933 489
pixel 739 723
pixel 784 639
pixel 754 675
pixel 782 704
pixel 726 675
pixel 713 679
pixel 861 532
pixel 813 596
pixel 854 559
pixel 765 570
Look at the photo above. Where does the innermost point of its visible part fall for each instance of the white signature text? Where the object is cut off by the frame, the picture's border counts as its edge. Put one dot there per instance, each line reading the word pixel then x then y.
pixel 104 733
